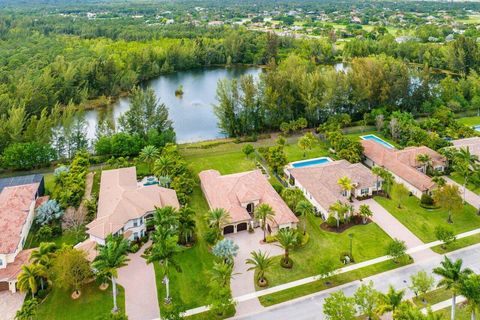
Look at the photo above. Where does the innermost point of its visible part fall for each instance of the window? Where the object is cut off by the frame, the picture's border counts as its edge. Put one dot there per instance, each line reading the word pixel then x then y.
pixel 135 236
pixel 1 262
pixel 364 191
pixel 344 193
pixel 135 223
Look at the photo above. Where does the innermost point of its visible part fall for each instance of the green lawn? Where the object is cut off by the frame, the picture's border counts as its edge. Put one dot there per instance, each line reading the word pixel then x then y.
pixel 432 297
pixel 190 286
pixel 461 313
pixel 334 281
pixel 470 186
pixel 458 244
pixel 422 222
pixel 324 245
pixel 469 121
pixel 92 304
pixel 69 237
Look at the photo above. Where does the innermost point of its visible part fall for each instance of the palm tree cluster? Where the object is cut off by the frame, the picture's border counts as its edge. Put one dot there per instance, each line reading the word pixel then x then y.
pixel 372 304
pixel 216 220
pixel 466 164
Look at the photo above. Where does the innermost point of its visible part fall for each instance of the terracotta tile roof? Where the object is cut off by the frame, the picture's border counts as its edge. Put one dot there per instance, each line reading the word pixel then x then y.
pixel 229 191
pixel 15 203
pixel 403 163
pixel 321 181
pixel 89 247
pixel 13 269
pixel 473 145
pixel 121 199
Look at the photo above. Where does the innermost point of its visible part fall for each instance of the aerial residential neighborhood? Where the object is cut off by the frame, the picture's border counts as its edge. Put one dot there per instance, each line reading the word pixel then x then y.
pixel 247 159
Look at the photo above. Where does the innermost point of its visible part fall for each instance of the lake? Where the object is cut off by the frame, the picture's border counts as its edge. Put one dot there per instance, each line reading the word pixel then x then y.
pixel 192 114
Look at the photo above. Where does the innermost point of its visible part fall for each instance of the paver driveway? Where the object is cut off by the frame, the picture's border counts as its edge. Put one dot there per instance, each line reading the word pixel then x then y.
pixel 9 304
pixel 138 279
pixel 243 280
pixel 395 229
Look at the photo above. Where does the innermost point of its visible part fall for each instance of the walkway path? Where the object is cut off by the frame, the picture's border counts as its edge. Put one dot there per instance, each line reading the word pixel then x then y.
pixel 243 280
pixel 470 197
pixel 138 279
pixel 311 306
pixel 395 229
pixel 9 304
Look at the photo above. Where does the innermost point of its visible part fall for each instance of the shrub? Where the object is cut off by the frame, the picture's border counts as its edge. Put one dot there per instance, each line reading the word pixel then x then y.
pixel 331 221
pixel 270 238
pixel 212 235
pixel 48 212
pixel 44 233
pixel 134 247
pixel 446 235
pixel 426 199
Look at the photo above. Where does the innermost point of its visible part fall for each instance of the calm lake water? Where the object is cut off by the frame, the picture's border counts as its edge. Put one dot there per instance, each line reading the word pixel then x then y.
pixel 192 114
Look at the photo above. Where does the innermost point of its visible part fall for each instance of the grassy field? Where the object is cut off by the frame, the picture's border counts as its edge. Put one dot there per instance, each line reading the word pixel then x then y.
pixel 334 281
pixel 422 222
pixel 470 121
pixel 461 313
pixel 92 304
pixel 432 297
pixel 329 246
pixel 458 244
pixel 470 186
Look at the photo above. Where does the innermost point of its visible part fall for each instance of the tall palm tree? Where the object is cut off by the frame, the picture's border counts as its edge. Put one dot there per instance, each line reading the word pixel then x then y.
pixel 339 210
pixel 29 276
pixel 452 275
pixel 470 289
pixel 287 240
pixel 163 166
pixel 425 161
pixel 465 164
pixel 377 171
pixel 148 155
pixel 217 217
pixel 166 218
pixel 304 208
pixel 390 301
pixel 365 212
pixel 111 257
pixel 305 143
pixel 346 184
pixel 164 251
pixel 261 262
pixel 186 224
pixel 264 213
pixel 222 272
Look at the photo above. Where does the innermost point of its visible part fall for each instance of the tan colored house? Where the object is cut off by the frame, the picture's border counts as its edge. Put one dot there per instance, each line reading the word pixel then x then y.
pixel 124 205
pixel 473 144
pixel 17 211
pixel 403 164
pixel 319 183
pixel 239 194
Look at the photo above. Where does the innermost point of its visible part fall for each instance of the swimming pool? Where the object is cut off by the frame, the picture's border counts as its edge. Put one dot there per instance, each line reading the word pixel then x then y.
pixel 310 162
pixel 378 140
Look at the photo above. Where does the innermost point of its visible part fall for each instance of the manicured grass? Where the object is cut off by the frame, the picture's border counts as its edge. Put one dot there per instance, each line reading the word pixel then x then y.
pixel 469 121
pixel 368 243
pixel 470 186
pixel 458 244
pixel 422 222
pixel 432 297
pixel 49 182
pixel 294 153
pixel 334 281
pixel 92 304
pixel 190 285
pixel 461 313
pixel 69 237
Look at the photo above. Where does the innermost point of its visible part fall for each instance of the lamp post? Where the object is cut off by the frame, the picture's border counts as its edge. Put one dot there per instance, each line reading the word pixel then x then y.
pixel 350 235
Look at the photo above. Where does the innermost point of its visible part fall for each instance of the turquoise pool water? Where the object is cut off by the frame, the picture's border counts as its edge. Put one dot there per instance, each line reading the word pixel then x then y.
pixel 477 127
pixel 311 162
pixel 378 140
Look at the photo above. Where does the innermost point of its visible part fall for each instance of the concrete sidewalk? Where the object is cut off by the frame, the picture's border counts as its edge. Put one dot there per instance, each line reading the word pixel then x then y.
pixel 138 279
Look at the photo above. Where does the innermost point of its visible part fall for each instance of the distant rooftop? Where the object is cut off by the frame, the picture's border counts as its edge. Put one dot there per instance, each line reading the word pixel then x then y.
pixel 20 180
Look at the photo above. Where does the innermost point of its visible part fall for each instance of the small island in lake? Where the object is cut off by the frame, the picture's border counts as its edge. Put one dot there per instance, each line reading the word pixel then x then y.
pixel 179 91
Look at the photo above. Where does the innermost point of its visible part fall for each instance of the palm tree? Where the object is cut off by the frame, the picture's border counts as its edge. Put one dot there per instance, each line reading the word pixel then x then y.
pixel 264 213
pixel 222 272
pixel 304 208
pixel 390 301
pixel 287 240
pixel 452 275
pixel 44 254
pixel 439 181
pixel 186 224
pixel 148 155
pixel 261 262
pixel 166 218
pixel 465 165
pixel 470 289
pixel 425 160
pixel 28 277
pixel 377 171
pixel 346 184
pixel 163 166
pixel 164 251
pixel 305 143
pixel 339 210
pixel 28 310
pixel 111 257
pixel 217 217
pixel 365 212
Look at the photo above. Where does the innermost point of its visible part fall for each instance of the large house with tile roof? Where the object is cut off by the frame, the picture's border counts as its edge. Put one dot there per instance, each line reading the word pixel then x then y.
pixel 473 145
pixel 124 205
pixel 240 194
pixel 320 186
pixel 404 164
pixel 18 200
